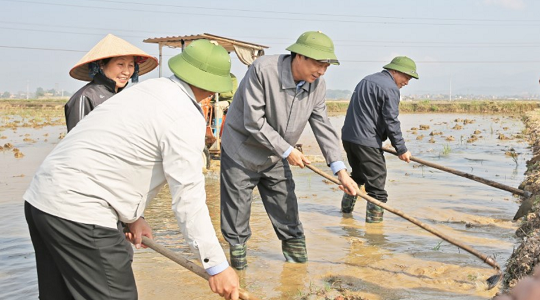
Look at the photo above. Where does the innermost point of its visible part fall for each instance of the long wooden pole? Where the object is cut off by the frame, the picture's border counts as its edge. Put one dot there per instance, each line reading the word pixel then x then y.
pixel 490 261
pixel 466 175
pixel 245 295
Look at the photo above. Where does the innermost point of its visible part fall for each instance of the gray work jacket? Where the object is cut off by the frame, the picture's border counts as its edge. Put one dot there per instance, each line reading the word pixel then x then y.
pixel 372 116
pixel 268 115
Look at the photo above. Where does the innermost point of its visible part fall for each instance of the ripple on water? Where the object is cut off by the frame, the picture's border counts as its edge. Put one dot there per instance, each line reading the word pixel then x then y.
pixel 394 260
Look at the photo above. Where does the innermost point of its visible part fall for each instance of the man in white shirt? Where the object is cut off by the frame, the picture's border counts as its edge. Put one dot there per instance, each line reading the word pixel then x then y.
pixel 111 165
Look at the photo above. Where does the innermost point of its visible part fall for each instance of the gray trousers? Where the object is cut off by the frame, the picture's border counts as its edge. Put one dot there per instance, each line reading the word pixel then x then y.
pixel 368 168
pixel 79 261
pixel 276 187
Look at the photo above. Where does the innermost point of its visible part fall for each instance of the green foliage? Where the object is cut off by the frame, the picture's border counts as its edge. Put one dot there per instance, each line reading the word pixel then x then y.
pixel 438 247
pixel 472 277
pixel 446 150
pixel 40 92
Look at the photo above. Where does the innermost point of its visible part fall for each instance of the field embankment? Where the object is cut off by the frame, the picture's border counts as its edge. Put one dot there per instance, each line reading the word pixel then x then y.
pixel 526 256
pixel 476 106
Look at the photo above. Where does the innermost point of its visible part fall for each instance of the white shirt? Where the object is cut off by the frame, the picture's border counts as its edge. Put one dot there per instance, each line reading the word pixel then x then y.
pixel 118 157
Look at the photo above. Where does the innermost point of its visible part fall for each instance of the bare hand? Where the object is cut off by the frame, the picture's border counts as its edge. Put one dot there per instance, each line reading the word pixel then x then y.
pixel 348 185
pixel 137 230
pixel 297 158
pixel 406 156
pixel 225 284
pixel 527 288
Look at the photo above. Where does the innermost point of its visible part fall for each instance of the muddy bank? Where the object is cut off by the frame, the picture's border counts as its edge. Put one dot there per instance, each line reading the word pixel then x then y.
pixel 525 257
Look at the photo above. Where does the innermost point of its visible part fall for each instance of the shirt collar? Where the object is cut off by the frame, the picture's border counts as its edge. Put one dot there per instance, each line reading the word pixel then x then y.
pixel 187 90
pixel 109 84
pixel 299 85
pixel 287 80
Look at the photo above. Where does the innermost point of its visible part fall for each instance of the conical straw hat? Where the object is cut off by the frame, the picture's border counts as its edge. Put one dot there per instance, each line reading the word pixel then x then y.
pixel 112 46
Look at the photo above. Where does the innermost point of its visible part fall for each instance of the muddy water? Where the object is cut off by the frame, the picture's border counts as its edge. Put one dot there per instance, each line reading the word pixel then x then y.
pixel 18 278
pixel 392 260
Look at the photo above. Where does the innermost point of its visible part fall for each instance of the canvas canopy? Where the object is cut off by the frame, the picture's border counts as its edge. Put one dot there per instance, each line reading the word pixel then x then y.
pixel 245 51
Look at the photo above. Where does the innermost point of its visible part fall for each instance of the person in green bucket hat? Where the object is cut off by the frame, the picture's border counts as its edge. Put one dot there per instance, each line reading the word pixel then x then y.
pixel 371 118
pixel 111 165
pixel 275 100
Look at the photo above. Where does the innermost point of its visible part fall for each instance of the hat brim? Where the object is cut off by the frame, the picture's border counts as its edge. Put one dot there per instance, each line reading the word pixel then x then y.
pixel 81 71
pixel 314 53
pixel 401 69
pixel 111 46
pixel 199 78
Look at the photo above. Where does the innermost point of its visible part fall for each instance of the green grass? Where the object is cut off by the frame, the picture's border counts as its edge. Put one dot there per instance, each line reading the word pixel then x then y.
pixel 446 150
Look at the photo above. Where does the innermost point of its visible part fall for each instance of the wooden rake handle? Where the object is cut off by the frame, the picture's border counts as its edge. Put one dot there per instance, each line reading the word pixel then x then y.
pixel 486 259
pixel 245 295
pixel 466 175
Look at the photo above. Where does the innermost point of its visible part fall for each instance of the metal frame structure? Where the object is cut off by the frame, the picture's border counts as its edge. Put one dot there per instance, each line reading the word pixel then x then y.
pixel 250 51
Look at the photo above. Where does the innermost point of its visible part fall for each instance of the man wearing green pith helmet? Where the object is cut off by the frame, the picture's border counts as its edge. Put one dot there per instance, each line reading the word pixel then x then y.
pixel 109 167
pixel 371 118
pixel 275 100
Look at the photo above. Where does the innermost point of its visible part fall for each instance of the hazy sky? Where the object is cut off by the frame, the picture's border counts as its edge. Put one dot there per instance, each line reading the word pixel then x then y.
pixel 467 46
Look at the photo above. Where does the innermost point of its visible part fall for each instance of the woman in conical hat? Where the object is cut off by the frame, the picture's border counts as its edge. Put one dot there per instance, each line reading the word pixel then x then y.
pixel 108 67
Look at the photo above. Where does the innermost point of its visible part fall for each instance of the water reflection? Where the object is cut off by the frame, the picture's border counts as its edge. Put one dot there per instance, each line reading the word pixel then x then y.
pixel 395 259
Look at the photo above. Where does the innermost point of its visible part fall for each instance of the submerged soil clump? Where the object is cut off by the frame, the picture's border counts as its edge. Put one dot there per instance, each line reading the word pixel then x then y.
pixel 523 259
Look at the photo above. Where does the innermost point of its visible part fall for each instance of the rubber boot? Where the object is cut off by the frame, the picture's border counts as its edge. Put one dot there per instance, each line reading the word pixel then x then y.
pixel 238 256
pixel 347 203
pixel 374 213
pixel 294 250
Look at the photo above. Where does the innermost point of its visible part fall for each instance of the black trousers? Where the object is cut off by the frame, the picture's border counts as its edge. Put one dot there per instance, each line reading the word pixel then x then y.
pixel 79 261
pixel 368 168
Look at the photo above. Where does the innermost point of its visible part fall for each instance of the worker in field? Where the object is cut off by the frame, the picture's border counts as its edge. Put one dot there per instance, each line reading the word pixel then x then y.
pixel 275 100
pixel 110 166
pixel 228 95
pixel 108 66
pixel 371 118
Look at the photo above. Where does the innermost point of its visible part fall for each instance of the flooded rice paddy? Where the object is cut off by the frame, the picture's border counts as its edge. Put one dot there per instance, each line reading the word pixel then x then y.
pixel 392 260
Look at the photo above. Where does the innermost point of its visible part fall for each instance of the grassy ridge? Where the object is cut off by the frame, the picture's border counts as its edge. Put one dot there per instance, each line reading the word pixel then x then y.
pixel 31 103
pixel 340 106
pixel 426 106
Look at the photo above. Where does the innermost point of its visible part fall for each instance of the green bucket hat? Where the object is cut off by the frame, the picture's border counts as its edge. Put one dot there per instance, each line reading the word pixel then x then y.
pixel 316 45
pixel 404 65
pixel 204 65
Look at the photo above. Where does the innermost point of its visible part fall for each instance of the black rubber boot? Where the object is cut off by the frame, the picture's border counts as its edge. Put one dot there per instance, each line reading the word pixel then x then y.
pixel 347 203
pixel 294 250
pixel 238 256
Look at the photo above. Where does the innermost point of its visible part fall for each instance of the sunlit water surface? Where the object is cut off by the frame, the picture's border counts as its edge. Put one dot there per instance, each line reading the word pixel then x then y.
pixel 392 260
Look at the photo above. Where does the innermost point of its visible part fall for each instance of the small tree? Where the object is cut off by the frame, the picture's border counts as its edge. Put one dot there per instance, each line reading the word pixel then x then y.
pixel 6 95
pixel 40 92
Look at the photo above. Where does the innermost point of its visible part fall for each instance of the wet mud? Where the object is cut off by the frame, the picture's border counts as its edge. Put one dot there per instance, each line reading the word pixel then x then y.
pixel 527 253
pixel 348 258
pixel 351 259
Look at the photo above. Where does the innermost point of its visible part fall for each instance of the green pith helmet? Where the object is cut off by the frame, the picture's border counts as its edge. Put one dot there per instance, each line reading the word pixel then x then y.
pixel 316 45
pixel 404 65
pixel 203 65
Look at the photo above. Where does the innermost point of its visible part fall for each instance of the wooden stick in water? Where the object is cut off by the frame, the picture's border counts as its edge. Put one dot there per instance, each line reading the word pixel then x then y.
pixel 466 175
pixel 492 281
pixel 245 295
